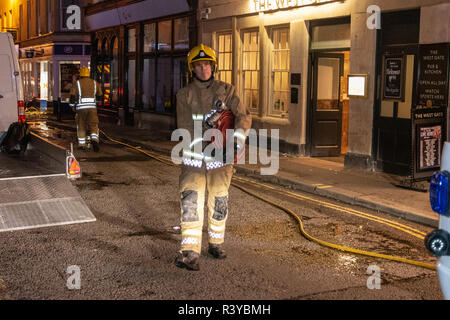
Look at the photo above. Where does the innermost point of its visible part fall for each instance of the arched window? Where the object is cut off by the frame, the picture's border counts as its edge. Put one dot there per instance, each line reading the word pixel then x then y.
pixel 115 72
pixel 105 47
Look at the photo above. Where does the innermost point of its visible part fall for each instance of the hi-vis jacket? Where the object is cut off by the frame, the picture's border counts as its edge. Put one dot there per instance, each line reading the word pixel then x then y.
pixel 83 93
pixel 196 100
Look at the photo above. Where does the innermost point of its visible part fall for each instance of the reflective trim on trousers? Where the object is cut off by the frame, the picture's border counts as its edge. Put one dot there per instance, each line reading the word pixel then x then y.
pixel 86 106
pixel 189 240
pixel 216 235
pixel 214 165
pixel 192 163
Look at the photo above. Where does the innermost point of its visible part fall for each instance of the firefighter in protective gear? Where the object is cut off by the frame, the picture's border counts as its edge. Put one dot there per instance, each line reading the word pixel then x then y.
pixel 83 99
pixel 204 178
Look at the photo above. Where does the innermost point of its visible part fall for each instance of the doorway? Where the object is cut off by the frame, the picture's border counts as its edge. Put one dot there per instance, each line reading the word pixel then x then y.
pixel 329 103
pixel 397 40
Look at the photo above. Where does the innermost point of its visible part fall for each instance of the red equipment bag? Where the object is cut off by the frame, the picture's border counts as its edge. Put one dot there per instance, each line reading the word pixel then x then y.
pixel 226 121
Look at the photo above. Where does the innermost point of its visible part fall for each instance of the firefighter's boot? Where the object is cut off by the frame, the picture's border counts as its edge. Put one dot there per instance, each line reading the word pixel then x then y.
pixel 95 146
pixel 217 251
pixel 188 259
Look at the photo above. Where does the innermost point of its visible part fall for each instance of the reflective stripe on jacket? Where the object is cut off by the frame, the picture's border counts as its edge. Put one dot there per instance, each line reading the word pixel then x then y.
pixel 86 90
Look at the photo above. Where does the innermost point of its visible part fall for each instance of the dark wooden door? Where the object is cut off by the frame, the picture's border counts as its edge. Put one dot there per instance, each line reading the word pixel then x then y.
pixel 393 123
pixel 328 69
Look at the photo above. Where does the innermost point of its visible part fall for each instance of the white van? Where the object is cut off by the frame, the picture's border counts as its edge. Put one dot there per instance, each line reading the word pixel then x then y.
pixel 12 108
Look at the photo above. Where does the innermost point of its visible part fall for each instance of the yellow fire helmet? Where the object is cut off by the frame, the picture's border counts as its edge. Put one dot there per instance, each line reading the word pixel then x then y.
pixel 84 72
pixel 201 53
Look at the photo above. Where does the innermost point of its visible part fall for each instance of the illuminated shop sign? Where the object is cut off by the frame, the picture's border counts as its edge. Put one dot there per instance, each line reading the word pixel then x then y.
pixel 271 5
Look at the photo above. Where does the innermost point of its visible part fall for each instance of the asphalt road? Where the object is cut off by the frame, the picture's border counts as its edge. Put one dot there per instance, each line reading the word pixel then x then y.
pixel 128 252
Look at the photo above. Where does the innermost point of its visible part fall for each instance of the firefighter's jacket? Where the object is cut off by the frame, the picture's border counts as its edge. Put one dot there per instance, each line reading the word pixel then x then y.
pixel 84 92
pixel 198 98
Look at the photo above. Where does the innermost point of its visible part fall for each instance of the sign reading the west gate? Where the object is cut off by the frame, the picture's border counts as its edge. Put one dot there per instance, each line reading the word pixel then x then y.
pixel 433 76
pixel 271 5
pixel 429 115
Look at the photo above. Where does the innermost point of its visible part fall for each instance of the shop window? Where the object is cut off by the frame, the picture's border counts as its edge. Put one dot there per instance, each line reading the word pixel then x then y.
pixel 179 73
pixel 67 75
pixel 50 83
pixel 149 37
pixel 181 34
pixel 163 86
pixel 164 69
pixel 280 71
pixel 165 35
pixel 104 51
pixel 132 40
pixel 250 69
pixel 148 85
pixel 224 56
pixel 131 80
pixel 115 72
pixel 43 94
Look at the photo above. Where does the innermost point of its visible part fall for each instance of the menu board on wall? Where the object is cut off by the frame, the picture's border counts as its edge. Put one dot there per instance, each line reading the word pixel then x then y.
pixel 430 141
pixel 393 77
pixel 429 114
pixel 433 75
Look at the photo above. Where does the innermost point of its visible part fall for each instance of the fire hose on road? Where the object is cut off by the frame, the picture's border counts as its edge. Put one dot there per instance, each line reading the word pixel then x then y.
pixel 404 228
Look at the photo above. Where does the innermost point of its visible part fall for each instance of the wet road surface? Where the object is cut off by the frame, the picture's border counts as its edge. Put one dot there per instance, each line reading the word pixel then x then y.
pixel 128 252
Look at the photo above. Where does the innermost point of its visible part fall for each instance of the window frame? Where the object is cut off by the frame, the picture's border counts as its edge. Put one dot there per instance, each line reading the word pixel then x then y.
pixel 157 54
pixel 271 111
pixel 219 53
pixel 257 70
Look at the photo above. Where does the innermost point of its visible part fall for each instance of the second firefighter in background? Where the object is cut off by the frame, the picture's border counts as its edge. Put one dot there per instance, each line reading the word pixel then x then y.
pixel 205 178
pixel 83 98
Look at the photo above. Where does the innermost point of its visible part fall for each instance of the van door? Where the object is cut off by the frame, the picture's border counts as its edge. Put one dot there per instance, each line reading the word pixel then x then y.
pixel 8 96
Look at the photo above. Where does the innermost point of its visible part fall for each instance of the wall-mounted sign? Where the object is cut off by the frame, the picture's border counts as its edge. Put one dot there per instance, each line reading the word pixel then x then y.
pixel 296 79
pixel 433 76
pixel 294 95
pixel 393 77
pixel 430 113
pixel 72 49
pixel 272 5
pixel 357 85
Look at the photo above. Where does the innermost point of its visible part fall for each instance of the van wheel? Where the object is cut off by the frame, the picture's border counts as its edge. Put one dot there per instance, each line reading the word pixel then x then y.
pixel 437 242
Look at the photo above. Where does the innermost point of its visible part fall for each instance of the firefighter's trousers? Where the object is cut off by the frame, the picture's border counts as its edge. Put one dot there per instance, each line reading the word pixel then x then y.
pixel 196 185
pixel 87 123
